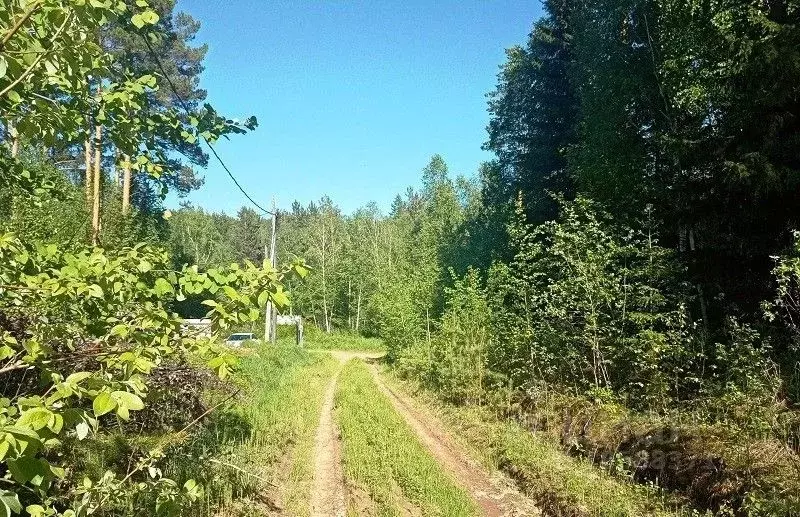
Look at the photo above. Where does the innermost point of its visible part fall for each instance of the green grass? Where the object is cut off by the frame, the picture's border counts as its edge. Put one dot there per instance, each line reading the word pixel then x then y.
pixel 388 471
pixel 315 338
pixel 260 451
pixel 558 483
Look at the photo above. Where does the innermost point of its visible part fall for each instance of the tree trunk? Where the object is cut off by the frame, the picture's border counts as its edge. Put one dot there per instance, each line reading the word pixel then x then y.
pixel 87 158
pixel 98 157
pixel 314 313
pixel 96 187
pixel 358 309
pixel 126 184
pixel 349 301
pixel 12 132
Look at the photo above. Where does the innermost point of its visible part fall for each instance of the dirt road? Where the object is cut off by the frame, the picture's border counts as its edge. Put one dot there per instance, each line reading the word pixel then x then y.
pixel 328 493
pixel 494 494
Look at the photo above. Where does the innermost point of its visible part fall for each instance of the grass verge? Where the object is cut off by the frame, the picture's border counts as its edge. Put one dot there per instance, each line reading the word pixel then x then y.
pixel 388 471
pixel 256 457
pixel 315 338
pixel 560 485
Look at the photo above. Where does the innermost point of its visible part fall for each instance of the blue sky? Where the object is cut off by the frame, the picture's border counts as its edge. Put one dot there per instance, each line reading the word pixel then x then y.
pixel 352 97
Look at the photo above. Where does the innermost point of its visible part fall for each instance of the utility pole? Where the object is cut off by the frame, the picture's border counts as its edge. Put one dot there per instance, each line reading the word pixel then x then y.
pixel 270 318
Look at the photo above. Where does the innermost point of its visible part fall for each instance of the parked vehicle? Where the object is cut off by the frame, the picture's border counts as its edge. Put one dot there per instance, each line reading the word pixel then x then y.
pixel 238 339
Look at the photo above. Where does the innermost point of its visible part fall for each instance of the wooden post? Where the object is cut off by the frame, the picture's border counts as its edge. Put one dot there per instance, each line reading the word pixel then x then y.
pixel 358 307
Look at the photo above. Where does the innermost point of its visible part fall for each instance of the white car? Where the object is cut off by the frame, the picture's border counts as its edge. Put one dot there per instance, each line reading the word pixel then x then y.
pixel 236 340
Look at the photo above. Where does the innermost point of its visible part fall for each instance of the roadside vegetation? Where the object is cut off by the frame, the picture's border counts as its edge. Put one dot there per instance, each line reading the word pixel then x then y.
pixel 388 471
pixel 623 276
pixel 252 454
pixel 267 436
pixel 620 281
pixel 558 483
pixel 318 339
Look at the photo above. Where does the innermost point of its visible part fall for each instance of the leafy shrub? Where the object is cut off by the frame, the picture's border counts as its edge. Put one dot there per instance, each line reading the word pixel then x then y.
pixel 587 303
pixel 91 327
pixel 453 361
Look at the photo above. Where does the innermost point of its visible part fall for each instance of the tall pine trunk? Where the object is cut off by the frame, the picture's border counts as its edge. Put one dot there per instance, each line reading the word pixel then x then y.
pixel 98 157
pixel 126 184
pixel 87 158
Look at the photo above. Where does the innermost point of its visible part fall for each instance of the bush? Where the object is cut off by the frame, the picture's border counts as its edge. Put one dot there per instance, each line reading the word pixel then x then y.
pixel 453 362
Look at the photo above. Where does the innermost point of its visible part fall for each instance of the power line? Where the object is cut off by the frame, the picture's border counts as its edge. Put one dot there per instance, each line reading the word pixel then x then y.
pixel 187 110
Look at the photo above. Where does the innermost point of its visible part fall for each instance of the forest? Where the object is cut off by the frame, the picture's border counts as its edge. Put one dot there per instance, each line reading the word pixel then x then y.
pixel 621 281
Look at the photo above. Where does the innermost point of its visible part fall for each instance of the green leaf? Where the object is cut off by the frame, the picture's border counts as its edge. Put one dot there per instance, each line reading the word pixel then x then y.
pixel 35 510
pixel 56 423
pixel 9 502
pixel 95 291
pixel 280 298
pixel 36 418
pixel 82 430
pixel 27 441
pixel 6 352
pixel 162 287
pixel 216 362
pixel 230 292
pixel 14 97
pixel 120 330
pixel 28 469
pixel 301 270
pixel 138 21
pixel 77 377
pixel 150 17
pixel 103 404
pixel 128 400
pixel 193 489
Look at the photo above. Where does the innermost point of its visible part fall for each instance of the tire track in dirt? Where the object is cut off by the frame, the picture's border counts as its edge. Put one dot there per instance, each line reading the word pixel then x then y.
pixel 328 490
pixel 495 494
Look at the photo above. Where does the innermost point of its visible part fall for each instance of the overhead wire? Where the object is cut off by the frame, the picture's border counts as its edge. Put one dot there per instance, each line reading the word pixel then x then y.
pixel 185 107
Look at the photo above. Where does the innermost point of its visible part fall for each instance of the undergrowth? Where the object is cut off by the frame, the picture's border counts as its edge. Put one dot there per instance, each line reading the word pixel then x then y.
pixel 315 338
pixel 560 485
pixel 253 454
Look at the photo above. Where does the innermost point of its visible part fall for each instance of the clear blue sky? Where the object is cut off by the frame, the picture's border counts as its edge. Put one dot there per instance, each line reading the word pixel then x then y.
pixel 352 97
